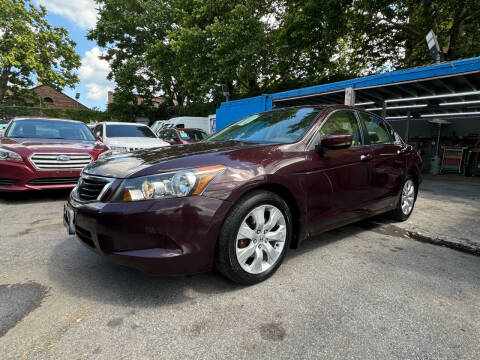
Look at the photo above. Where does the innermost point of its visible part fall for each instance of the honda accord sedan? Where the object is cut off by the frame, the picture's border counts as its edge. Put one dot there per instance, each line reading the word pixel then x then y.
pixel 239 199
pixel 37 154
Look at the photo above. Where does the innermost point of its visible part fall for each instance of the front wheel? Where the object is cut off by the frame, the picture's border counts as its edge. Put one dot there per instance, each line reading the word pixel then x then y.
pixel 406 201
pixel 254 238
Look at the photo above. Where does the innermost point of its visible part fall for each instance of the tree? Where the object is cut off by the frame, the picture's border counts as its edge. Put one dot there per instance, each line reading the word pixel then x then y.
pixel 393 31
pixel 184 49
pixel 30 47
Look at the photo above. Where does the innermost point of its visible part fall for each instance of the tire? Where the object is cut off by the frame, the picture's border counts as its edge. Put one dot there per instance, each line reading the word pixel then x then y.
pixel 402 213
pixel 240 235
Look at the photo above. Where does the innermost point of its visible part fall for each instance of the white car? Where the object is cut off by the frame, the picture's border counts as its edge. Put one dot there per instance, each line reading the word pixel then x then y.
pixel 123 137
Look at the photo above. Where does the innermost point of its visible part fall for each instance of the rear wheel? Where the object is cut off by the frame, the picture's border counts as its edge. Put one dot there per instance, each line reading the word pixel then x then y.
pixel 254 238
pixel 406 201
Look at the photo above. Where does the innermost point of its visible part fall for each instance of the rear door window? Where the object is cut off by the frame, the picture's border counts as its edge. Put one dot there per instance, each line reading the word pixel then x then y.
pixel 377 131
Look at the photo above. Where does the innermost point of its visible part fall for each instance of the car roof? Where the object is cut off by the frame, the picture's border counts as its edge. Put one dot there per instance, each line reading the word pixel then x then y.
pixel 120 123
pixel 45 118
pixel 183 129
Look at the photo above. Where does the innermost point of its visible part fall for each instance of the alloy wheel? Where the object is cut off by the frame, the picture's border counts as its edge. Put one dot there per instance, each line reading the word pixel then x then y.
pixel 260 239
pixel 408 197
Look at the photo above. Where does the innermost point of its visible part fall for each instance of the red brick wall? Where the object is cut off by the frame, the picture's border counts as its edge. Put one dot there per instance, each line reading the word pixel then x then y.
pixel 60 100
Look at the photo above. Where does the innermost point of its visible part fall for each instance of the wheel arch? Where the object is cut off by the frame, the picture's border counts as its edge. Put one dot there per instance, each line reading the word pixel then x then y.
pixel 287 195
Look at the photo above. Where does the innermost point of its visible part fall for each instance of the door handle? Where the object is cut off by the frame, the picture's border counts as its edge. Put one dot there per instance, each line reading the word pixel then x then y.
pixel 365 157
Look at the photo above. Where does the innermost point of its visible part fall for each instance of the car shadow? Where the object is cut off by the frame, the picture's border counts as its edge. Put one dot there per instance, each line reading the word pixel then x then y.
pixel 85 274
pixel 28 197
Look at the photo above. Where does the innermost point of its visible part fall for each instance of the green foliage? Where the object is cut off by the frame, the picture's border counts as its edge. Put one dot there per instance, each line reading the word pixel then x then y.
pixel 30 46
pixel 128 112
pixel 185 49
pixel 393 32
pixel 81 115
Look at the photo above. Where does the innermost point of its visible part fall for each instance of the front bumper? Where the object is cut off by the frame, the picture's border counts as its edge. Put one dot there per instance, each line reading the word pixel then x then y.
pixel 159 237
pixel 16 176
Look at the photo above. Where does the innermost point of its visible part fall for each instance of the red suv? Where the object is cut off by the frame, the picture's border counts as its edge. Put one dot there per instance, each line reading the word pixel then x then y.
pixel 239 199
pixel 38 154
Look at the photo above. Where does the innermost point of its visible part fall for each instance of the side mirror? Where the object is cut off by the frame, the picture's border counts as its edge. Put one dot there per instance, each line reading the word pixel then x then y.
pixel 1 133
pixel 334 141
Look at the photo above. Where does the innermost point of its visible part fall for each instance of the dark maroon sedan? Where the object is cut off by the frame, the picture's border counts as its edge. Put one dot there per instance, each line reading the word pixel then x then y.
pixel 175 136
pixel 38 154
pixel 238 200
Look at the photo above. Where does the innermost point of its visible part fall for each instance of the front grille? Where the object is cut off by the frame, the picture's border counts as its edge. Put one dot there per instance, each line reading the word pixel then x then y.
pixel 54 161
pixel 54 181
pixel 89 188
pixel 84 235
pixel 6 182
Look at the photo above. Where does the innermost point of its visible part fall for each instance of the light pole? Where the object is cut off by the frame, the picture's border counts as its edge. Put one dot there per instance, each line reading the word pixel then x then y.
pixel 226 91
pixel 433 46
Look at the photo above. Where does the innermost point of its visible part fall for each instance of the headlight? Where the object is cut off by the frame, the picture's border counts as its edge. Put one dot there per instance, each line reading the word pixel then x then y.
pixel 113 150
pixel 169 185
pixel 104 155
pixel 8 155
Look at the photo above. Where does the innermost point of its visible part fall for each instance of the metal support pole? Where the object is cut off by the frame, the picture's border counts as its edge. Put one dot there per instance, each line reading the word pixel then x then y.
pixel 349 96
pixel 384 109
pixel 407 128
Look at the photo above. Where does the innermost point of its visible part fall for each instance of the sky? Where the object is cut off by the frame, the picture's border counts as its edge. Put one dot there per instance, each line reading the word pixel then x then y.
pixel 77 16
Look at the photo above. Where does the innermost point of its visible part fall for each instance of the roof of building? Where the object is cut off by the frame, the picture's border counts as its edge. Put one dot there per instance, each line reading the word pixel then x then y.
pixel 444 89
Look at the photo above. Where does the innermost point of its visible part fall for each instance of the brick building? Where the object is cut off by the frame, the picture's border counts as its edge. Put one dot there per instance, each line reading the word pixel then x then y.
pixel 55 99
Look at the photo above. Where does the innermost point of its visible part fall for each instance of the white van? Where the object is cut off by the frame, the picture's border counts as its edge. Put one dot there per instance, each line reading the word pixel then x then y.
pixel 189 122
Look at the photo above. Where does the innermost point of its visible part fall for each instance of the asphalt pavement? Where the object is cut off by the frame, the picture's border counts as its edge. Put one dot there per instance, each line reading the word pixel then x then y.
pixel 365 291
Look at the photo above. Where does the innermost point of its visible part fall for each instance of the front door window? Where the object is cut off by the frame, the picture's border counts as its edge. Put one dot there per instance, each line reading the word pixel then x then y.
pixel 343 122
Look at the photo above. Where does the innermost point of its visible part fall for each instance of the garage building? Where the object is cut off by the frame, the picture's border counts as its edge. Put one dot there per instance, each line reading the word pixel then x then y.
pixel 435 108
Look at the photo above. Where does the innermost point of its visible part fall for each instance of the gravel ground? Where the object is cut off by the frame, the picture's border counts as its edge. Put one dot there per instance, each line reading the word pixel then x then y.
pixel 364 291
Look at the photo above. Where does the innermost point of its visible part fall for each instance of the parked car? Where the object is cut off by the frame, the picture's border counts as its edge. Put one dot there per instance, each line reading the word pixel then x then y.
pixel 157 125
pixel 37 153
pixel 3 126
pixel 237 200
pixel 182 136
pixel 123 137
pixel 189 122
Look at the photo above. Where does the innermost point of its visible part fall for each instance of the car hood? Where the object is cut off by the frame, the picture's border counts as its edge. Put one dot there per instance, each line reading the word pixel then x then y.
pixel 135 142
pixel 48 145
pixel 172 158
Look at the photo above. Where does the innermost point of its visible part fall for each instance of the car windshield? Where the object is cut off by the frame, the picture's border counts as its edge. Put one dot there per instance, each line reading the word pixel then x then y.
pixel 194 135
pixel 274 127
pixel 49 129
pixel 119 130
